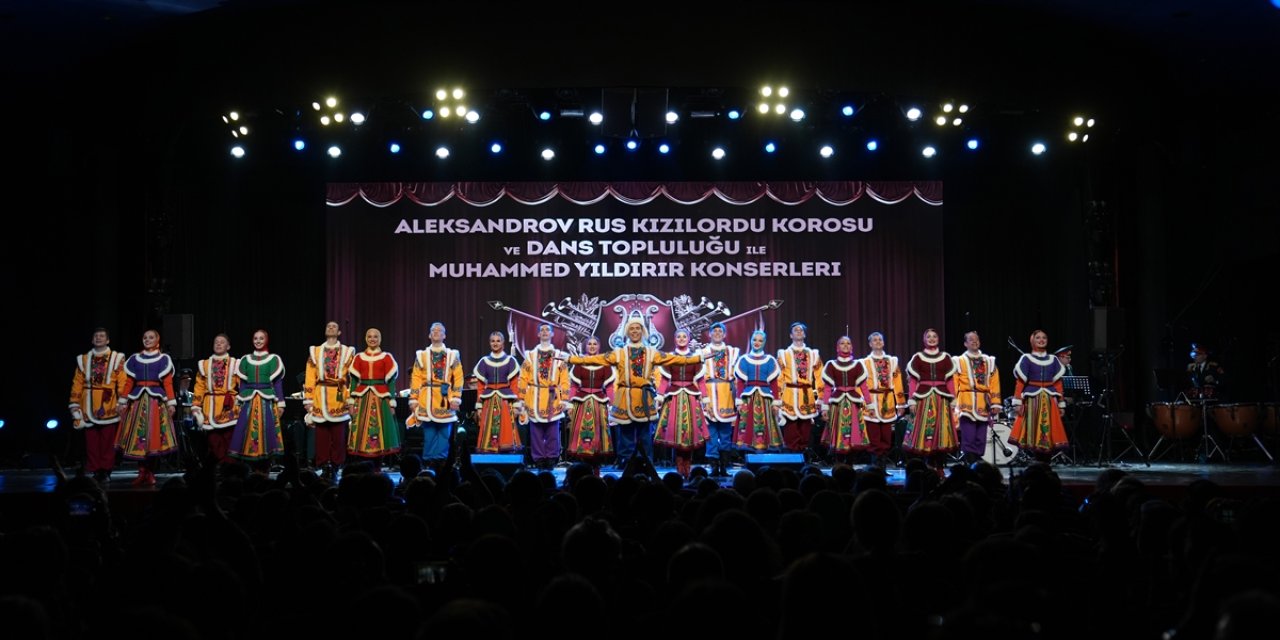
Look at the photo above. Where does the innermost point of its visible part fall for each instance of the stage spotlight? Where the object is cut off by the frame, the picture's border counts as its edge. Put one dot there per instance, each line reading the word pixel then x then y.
pixel 1038 148
pixel 428 114
pixel 964 108
pixel 237 151
pixel 338 117
pixel 633 144
pixel 763 108
pixel 544 116
pixel 770 147
pixel 913 114
pixel 457 94
pixel 780 108
pixel 783 92
pixel 766 91
pixel 1072 136
pixel 1 423
pixel 664 148
pixel 826 151
pixel 948 107
pixel 734 114
pixel 717 153
pixel 928 152
pixel 461 110
pixel 599 149
pixel 315 106
pixel 847 111
pixel 299 144
pixel 445 112
pixel 941 120
pixel 1078 121
pixel 441 94
pixel 1085 138
pixel 51 424
pixel 473 117
pixel 972 144
pixel 331 102
pixel 324 120
pixel 394 147
pixel 672 117
pixel 548 154
pixel 596 117
pixel 1089 122
pixel 957 122
pixel 495 148
pixel 335 151
pixel 797 115
pixel 872 145
pixel 357 118
pixel 442 152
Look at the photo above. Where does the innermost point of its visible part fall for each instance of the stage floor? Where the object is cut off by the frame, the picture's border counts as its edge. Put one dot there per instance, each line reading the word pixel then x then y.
pixel 1245 478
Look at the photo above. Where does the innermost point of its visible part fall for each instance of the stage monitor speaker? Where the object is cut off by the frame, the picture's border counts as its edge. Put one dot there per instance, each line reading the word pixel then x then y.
pixel 1108 329
pixel 179 335
pixel 755 461
pixel 504 463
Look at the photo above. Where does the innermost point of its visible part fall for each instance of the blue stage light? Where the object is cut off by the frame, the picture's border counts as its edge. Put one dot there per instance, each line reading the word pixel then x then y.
pixel 633 144
pixel 428 114
pixel 544 116
pixel 770 147
pixel 972 144
pixel 394 147
pixel 495 148
pixel 599 149
pixel 664 148
pixel 299 144
pixel 872 145
pixel 734 114
pixel 847 110
pixel 51 424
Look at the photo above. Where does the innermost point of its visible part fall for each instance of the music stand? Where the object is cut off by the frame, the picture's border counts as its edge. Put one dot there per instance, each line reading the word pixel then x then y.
pixel 1076 387
pixel 1106 398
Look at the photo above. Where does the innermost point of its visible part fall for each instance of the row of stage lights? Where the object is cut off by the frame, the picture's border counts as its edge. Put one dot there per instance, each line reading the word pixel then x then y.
pixel 451 104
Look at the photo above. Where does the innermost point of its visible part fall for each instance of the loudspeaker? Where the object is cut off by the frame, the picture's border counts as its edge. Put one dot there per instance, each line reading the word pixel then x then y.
pixel 179 335
pixel 1108 328
pixel 789 460
pixel 504 463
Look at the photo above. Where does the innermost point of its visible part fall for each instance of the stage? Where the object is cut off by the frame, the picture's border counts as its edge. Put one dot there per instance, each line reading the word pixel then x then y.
pixel 1167 480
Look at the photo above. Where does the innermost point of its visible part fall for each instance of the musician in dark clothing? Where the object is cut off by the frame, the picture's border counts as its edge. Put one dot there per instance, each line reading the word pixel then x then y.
pixel 1204 375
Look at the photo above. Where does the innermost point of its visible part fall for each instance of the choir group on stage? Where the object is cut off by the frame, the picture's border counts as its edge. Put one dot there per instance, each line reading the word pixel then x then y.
pixel 718 400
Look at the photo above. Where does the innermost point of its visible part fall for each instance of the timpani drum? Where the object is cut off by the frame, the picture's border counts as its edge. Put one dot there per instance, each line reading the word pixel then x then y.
pixel 1236 420
pixel 1175 421
pixel 1269 418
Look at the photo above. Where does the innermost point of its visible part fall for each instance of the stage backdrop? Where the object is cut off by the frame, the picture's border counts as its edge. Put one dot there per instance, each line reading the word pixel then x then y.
pixel 842 257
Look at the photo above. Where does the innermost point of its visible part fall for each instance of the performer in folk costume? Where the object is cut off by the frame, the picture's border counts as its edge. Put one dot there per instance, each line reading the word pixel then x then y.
pixel 544 388
pixel 932 430
pixel 213 404
pixel 146 408
pixel 757 374
pixel 95 388
pixel 977 382
pixel 497 404
pixel 884 400
pixel 261 400
pixel 842 401
pixel 324 393
pixel 681 425
pixel 589 386
pixel 635 388
pixel 1037 396
pixel 374 430
pixel 718 405
pixel 436 385
pixel 800 383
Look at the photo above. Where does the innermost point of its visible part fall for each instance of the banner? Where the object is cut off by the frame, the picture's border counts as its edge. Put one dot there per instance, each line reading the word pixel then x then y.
pixel 586 257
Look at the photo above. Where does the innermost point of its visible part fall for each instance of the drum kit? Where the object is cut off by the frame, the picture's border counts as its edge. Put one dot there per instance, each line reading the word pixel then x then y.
pixel 1190 416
